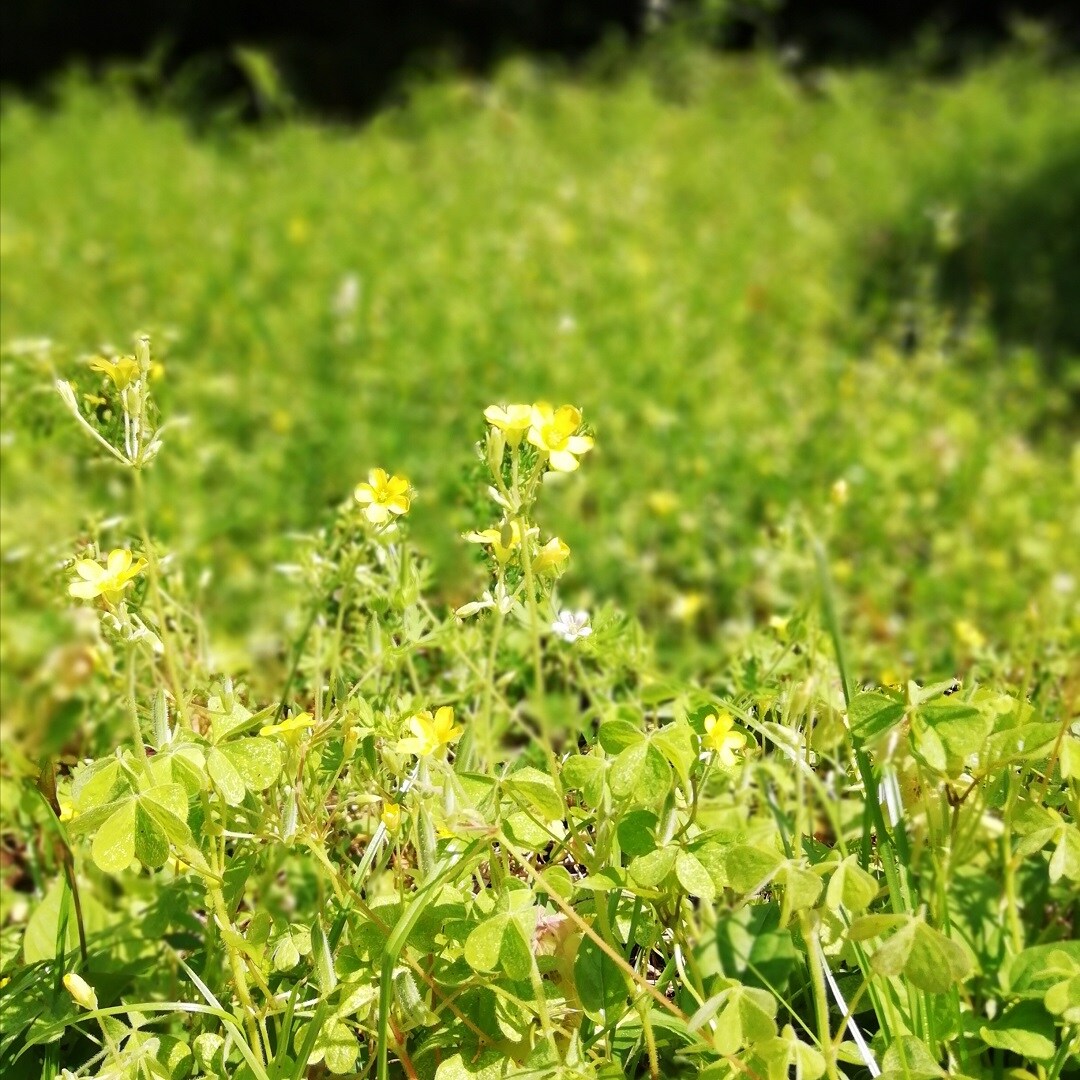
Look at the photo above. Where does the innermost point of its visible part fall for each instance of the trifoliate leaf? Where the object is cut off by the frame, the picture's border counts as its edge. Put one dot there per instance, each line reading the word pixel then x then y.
pixel 256 760
pixel 640 773
pixel 652 869
pixel 225 775
pixel 872 714
pixel 536 790
pixel 851 887
pixel 748 867
pixel 113 849
pixel 693 877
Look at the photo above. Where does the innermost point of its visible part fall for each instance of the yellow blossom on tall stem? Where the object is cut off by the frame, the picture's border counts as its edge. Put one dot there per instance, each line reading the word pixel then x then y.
pixel 122 371
pixel 391 817
pixel 502 541
pixel 431 733
pixel 513 420
pixel 290 730
pixel 383 496
pixel 553 432
pixel 720 738
pixel 108 581
pixel 553 554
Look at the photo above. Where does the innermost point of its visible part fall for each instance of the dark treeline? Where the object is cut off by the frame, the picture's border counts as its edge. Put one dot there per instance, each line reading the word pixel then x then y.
pixel 343 57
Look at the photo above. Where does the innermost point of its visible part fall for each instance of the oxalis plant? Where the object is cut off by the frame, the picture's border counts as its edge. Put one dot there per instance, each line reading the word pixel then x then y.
pixel 495 841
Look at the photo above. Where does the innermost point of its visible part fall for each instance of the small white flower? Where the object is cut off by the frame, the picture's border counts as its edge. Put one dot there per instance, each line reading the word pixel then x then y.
pixel 572 625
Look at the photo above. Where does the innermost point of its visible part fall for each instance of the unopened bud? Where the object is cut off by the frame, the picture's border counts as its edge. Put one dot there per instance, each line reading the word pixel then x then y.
pixel 81 991
pixel 142 354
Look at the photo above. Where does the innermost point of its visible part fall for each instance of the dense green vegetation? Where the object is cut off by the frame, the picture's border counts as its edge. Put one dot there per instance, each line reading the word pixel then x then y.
pixel 823 331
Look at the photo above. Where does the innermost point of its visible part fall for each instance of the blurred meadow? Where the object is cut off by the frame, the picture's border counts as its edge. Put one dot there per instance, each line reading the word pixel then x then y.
pixel 824 326
pixel 758 285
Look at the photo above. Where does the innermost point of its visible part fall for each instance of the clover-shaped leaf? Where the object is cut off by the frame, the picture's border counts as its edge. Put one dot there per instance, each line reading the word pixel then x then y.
pixel 503 940
pixel 141 826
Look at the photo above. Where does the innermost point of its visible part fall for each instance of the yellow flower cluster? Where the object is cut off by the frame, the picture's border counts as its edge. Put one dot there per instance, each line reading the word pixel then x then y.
pixel 552 431
pixel 722 739
pixel 506 539
pixel 108 581
pixel 383 496
pixel 431 733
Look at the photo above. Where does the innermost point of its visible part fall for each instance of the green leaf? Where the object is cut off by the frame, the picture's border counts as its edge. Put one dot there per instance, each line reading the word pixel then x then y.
pixel 652 869
pixel 787 1052
pixel 335 1045
pixel 802 889
pixel 1065 860
pixel 635 832
pixel 516 954
pixel 113 849
pixel 503 941
pixel 1031 968
pixel 600 983
pixel 537 790
pixel 962 729
pixel 42 934
pixel 745 1017
pixel 1024 743
pixel 489 1065
pixel 851 887
pixel 151 843
pixel 256 760
pixel 1025 1029
pixel 616 735
pixel 640 773
pixel 95 785
pixel 929 959
pixel 870 926
pixel 676 742
pixel 870 715
pixel 225 775
pixel 224 721
pixel 585 773
pixel 693 877
pixel 1063 1000
pixel 908 1058
pixel 173 825
pixel 747 867
pixel 483 945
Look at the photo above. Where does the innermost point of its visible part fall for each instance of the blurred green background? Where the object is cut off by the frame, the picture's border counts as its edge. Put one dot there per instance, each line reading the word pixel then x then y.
pixel 756 279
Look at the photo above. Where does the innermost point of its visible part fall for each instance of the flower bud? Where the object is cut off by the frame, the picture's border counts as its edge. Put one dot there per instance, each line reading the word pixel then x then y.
pixel 80 990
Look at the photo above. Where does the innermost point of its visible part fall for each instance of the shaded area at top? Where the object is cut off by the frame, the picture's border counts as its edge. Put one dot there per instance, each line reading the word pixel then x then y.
pixel 344 59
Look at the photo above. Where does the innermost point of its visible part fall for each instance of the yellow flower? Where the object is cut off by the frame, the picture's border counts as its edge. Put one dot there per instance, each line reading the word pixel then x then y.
pixel 552 554
pixel 290 730
pixel 685 607
pixel 719 737
pixel 502 540
pixel 391 817
pixel 383 496
pixel 513 421
pixel 109 580
pixel 123 371
pixel 553 433
pixel 67 808
pixel 431 733
pixel 663 502
pixel 968 634
pixel 80 990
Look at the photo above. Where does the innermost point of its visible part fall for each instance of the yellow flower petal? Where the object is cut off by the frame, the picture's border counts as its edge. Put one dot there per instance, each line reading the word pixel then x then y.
pixel 119 560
